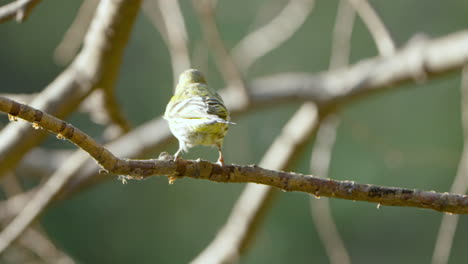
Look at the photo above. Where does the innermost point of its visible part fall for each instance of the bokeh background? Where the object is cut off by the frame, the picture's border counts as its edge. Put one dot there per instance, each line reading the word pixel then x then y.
pixel 409 137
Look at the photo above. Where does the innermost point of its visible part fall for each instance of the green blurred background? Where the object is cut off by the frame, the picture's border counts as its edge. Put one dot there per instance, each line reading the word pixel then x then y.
pixel 406 137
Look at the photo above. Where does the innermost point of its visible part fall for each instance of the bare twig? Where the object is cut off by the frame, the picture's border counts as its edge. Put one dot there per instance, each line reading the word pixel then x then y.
pixel 427 58
pixel 379 32
pixel 114 111
pixel 233 239
pixel 325 140
pixel 320 209
pixel 270 36
pixel 341 43
pixel 165 165
pixel 71 42
pixel 176 36
pixel 33 239
pixel 449 223
pixel 35 206
pixel 19 9
pixel 14 204
pixel 43 247
pixel 153 13
pixel 96 66
pixel 231 74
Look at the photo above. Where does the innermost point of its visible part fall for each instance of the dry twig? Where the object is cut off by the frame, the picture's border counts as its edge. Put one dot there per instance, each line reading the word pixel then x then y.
pixel 176 36
pixel 231 74
pixel 379 32
pixel 71 42
pixel 449 223
pixel 19 9
pixel 270 36
pixel 320 209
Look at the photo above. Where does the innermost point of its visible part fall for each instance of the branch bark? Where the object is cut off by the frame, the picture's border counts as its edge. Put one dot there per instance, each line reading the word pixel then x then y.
pixel 287 181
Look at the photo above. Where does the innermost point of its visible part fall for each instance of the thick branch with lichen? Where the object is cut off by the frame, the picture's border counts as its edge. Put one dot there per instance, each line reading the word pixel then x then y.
pixel 288 181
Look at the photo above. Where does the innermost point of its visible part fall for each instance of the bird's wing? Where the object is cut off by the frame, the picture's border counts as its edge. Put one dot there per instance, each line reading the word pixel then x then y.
pixel 199 107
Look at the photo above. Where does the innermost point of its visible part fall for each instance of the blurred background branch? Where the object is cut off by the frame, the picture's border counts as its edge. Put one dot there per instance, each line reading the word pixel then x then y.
pixel 379 32
pixel 233 78
pixel 235 237
pixel 18 10
pixel 271 35
pixel 449 223
pixel 73 38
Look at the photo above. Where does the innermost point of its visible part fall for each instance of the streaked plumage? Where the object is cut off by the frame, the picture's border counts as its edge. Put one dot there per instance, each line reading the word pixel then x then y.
pixel 196 114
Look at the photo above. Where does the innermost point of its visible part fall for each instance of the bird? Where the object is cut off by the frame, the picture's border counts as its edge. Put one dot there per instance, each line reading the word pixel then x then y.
pixel 196 114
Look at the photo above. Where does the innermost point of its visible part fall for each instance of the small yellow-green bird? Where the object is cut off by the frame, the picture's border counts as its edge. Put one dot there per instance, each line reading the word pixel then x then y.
pixel 196 114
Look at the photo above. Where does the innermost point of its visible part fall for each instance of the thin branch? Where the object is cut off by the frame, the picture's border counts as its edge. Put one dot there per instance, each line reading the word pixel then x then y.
pixel 43 247
pixel 235 237
pixel 320 209
pixel 177 36
pixel 33 239
pixel 71 42
pixel 165 165
pixel 233 240
pixel 449 223
pixel 270 36
pixel 36 205
pixel 153 13
pixel 231 74
pixel 114 111
pixel 342 32
pixel 429 58
pixel 379 32
pixel 96 65
pixel 325 140
pixel 14 204
pixel 19 9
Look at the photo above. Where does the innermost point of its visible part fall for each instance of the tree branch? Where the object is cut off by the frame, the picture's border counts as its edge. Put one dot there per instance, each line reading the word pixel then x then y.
pixel 19 10
pixel 233 77
pixel 271 35
pixel 72 39
pixel 392 196
pixel 382 38
pixel 320 209
pixel 420 58
pixel 177 37
pixel 449 223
